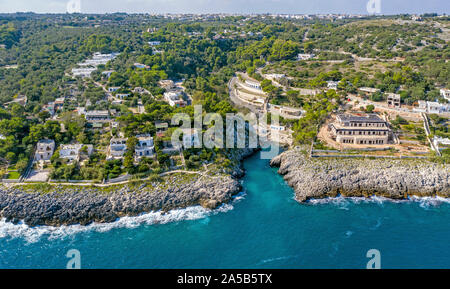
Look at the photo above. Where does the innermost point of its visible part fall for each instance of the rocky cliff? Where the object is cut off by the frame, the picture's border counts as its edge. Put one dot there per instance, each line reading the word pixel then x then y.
pixel 58 205
pixel 328 177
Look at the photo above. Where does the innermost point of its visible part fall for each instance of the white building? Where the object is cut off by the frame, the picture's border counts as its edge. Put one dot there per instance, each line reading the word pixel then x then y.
pixel 275 76
pixel 445 93
pixel 83 72
pixel 305 56
pixel 117 148
pixel 44 150
pixel 122 95
pixel 332 84
pixel 113 89
pixel 154 43
pixel 97 116
pixel 432 107
pixel 145 147
pixel 368 89
pixel 174 98
pixel 253 84
pixel 74 152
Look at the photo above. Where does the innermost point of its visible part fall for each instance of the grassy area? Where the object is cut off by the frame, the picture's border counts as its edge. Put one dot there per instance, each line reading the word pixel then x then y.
pixel 13 175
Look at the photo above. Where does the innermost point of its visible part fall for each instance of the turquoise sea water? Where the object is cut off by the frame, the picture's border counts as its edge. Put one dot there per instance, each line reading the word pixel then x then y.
pixel 263 228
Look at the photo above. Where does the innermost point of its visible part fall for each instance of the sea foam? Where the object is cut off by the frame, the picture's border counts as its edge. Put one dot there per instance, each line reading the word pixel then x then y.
pixel 343 202
pixel 34 234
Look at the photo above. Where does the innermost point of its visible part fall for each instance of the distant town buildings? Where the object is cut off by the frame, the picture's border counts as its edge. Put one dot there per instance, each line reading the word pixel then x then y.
pixel 367 129
pixel 44 150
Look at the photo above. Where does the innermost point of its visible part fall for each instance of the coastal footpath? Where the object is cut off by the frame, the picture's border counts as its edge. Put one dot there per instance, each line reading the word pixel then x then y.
pixel 56 205
pixel 317 178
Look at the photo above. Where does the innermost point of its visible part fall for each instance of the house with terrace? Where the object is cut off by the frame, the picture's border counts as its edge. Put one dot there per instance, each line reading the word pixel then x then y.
pixel 75 152
pixel 145 147
pixel 117 148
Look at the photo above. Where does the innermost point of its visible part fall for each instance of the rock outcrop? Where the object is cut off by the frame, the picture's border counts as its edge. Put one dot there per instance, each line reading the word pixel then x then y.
pixel 65 205
pixel 313 178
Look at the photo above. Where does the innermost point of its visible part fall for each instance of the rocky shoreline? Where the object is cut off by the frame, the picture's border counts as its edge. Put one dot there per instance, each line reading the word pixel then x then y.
pixel 317 178
pixel 56 205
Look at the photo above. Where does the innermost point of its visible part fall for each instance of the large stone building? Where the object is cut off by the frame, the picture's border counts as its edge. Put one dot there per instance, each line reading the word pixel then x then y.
pixel 367 129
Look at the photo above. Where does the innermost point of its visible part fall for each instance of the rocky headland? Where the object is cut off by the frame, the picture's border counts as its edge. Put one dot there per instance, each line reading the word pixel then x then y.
pixel 55 205
pixel 316 178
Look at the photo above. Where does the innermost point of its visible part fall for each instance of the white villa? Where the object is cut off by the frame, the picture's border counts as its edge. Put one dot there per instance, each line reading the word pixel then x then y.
pixel 44 150
pixel 83 72
pixel 305 56
pixel 440 140
pixel 432 107
pixel 74 152
pixel 253 84
pixel 175 98
pixel 332 84
pixel 145 147
pixel 445 93
pixel 117 148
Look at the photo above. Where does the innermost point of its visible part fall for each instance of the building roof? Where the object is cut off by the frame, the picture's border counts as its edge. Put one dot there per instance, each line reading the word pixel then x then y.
pixel 372 117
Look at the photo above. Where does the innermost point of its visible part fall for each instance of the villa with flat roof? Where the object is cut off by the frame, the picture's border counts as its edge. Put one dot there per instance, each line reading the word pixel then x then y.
pixel 145 147
pixel 368 129
pixel 73 152
pixel 97 116
pixel 117 148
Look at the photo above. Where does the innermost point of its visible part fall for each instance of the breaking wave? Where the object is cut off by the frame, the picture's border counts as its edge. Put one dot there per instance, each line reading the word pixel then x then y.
pixel 34 234
pixel 344 202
